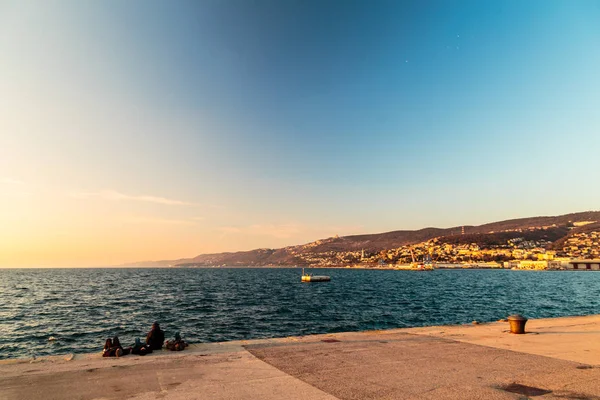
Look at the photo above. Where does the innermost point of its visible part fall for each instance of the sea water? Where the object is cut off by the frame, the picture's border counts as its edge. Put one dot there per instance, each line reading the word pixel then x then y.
pixel 80 308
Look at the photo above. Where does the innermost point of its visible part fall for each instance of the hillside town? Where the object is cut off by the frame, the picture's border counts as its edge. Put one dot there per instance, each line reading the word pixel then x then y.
pixel 515 253
pixel 570 241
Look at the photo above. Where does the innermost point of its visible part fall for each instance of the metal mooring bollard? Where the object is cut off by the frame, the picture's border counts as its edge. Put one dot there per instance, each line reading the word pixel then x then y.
pixel 517 323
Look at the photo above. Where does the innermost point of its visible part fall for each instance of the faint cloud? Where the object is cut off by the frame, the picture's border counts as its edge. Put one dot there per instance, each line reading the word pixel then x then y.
pixel 198 218
pixel 161 221
pixel 16 187
pixel 12 181
pixel 230 229
pixel 113 195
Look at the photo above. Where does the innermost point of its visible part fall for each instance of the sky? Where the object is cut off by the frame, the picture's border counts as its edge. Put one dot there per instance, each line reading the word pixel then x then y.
pixel 150 130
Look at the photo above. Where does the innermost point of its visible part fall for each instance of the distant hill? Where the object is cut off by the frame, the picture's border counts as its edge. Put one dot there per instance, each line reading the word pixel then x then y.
pixel 552 229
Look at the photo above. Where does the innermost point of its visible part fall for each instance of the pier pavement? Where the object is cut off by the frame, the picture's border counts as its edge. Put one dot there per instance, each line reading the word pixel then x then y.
pixel 558 359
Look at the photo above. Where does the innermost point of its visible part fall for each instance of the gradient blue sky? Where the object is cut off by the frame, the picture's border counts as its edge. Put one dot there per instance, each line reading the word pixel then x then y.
pixel 229 125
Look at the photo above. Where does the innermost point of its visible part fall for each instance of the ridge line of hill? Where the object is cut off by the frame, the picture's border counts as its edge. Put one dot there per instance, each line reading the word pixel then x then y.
pixel 555 229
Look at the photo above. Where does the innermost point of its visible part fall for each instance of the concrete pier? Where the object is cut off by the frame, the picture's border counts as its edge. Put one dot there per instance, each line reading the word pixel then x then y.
pixel 558 358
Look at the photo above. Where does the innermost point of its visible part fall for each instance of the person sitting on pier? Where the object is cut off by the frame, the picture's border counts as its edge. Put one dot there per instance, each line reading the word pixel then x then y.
pixel 140 349
pixel 155 337
pixel 113 348
pixel 120 350
pixel 107 351
pixel 176 345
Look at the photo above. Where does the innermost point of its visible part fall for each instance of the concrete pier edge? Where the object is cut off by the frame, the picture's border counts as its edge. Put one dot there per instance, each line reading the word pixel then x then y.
pixel 556 358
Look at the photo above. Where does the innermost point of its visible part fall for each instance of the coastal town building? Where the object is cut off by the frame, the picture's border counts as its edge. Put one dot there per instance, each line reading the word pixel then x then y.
pixel 534 265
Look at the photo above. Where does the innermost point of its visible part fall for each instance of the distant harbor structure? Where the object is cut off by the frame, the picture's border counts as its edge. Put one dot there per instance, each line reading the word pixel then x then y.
pixel 591 265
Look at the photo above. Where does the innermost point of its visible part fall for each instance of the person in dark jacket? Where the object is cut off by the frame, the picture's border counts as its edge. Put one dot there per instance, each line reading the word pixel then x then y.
pixel 155 337
pixel 140 349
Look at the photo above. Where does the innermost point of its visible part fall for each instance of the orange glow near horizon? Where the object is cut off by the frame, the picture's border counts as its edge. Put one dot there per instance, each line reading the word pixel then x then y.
pixel 53 228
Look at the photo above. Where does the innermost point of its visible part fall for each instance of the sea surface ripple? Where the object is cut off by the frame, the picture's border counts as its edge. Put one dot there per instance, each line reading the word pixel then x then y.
pixel 80 308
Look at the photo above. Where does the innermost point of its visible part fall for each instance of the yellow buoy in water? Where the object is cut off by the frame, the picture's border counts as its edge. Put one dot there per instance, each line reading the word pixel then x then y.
pixel 314 278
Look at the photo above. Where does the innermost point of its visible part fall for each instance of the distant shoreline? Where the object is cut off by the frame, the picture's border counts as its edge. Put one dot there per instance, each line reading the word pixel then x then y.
pixel 373 268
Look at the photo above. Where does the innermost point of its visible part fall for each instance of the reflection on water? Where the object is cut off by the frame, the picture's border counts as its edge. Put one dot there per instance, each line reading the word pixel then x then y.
pixel 82 307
